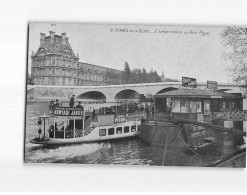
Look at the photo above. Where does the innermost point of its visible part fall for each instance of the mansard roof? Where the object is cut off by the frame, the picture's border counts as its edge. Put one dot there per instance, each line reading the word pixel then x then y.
pixel 55 47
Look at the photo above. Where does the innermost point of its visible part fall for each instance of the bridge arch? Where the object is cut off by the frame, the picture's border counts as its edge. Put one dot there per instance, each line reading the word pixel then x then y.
pixel 127 94
pixel 93 95
pixel 166 90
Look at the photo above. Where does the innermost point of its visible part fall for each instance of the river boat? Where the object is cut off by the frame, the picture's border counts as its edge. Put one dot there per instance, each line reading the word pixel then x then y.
pixel 192 106
pixel 65 125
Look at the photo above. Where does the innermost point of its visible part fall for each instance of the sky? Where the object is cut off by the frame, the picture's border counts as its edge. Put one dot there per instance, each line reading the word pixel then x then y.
pixel 192 51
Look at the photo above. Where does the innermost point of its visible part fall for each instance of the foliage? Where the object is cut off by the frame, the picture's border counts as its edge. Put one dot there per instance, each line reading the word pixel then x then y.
pixel 235 40
pixel 139 75
pixel 113 78
pixel 126 74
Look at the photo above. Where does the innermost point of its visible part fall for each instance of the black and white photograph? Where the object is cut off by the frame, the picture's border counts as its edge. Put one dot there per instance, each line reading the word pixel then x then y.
pixel 136 94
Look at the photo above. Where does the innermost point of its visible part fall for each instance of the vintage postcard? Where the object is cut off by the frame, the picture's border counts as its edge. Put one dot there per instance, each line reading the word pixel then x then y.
pixel 157 95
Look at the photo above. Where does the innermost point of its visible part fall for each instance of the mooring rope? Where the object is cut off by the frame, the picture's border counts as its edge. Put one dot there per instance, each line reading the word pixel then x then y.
pixel 164 155
pixel 154 133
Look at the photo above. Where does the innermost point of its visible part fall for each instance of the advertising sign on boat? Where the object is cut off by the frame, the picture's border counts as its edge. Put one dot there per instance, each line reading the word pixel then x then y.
pixel 197 131
pixel 189 82
pixel 67 111
pixel 119 118
pixel 212 85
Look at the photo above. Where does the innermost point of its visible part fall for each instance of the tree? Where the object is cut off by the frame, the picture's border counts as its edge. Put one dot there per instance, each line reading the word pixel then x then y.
pixel 126 73
pixel 138 75
pixel 113 78
pixel 135 76
pixel 144 76
pixel 235 40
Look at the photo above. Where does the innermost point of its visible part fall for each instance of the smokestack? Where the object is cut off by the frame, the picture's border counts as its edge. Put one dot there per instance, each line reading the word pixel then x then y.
pixel 42 39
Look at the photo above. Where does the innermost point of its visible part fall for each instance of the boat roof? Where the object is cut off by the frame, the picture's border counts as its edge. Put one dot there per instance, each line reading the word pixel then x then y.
pixel 196 93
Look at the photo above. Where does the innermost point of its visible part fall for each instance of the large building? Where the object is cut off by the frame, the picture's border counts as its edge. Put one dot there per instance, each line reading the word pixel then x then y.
pixel 55 63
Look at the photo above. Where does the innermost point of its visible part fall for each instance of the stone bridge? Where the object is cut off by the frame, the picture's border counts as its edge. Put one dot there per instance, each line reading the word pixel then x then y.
pixel 112 93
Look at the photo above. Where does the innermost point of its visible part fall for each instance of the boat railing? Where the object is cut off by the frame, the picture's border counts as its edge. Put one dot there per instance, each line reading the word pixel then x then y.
pixel 135 116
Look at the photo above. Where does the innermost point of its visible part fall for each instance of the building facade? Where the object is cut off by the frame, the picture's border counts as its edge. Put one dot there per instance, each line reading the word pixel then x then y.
pixel 55 63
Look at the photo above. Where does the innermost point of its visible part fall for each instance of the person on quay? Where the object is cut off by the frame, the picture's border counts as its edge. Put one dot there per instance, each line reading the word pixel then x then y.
pixel 72 101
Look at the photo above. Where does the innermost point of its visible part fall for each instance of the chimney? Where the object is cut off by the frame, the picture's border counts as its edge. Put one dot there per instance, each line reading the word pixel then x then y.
pixel 52 33
pixel 63 38
pixel 42 39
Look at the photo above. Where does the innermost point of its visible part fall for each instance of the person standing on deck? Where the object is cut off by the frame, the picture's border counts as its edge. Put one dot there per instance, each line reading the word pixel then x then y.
pixel 57 104
pixel 142 108
pixel 136 107
pixel 51 105
pixel 78 123
pixel 153 108
pixel 79 105
pixel 72 101
pixel 147 110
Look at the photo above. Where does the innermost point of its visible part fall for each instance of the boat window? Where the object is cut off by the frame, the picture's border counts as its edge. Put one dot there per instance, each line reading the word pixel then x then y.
pixel 102 132
pixel 238 104
pixel 215 105
pixel 139 128
pixel 198 107
pixel 235 104
pixel 223 105
pixel 184 106
pixel 119 130
pixel 57 124
pixel 193 106
pixel 70 124
pixel 111 131
pixel 231 105
pixel 126 129
pixel 206 107
pixel 133 128
pixel 78 124
pixel 176 108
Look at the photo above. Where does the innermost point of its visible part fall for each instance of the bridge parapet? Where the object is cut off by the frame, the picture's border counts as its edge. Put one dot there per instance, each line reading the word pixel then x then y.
pixel 110 92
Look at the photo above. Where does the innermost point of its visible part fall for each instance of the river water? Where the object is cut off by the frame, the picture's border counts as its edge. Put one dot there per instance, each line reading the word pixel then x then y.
pixel 128 151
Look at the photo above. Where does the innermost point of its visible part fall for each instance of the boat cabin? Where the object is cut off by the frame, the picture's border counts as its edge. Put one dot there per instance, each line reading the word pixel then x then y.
pixel 196 104
pixel 65 122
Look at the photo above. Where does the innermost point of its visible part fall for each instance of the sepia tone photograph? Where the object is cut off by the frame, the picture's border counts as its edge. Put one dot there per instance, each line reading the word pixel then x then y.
pixel 153 95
